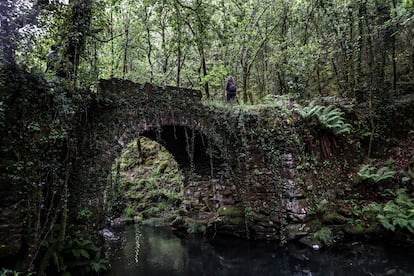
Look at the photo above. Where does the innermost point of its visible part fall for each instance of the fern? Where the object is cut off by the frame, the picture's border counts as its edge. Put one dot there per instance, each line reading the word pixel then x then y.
pixel 398 213
pixel 368 172
pixel 307 112
pixel 329 117
pixel 99 264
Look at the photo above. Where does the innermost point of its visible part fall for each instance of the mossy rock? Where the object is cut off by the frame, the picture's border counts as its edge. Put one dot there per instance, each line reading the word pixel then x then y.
pixel 331 218
pixel 163 166
pixel 311 242
pixel 355 229
pixel 358 229
pixel 149 162
pixel 314 225
pixel 234 220
pixel 231 215
pixel 230 211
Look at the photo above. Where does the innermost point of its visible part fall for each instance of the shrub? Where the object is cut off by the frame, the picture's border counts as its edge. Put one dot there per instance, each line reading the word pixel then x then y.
pixel 398 213
pixel 324 235
pixel 327 117
pixel 194 227
pixel 368 172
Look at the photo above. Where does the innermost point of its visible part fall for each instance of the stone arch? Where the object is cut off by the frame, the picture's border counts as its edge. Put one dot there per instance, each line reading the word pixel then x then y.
pixel 191 148
pixel 206 173
pixel 186 140
pixel 243 193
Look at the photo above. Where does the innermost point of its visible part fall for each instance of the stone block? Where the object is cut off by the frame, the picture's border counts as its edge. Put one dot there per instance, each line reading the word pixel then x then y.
pixel 292 190
pixel 295 231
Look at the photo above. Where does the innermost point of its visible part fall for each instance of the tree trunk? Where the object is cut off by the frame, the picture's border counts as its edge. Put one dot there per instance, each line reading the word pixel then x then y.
pixel 360 41
pixel 81 19
pixel 204 68
pixel 166 55
pixel 147 28
pixel 111 33
pixel 350 53
pixel 125 59
pixel 394 58
pixel 245 82
pixel 179 37
pixel 318 77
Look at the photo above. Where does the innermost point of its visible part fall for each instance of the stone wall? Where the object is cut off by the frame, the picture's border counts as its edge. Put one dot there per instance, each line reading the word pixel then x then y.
pixel 244 195
pixel 272 208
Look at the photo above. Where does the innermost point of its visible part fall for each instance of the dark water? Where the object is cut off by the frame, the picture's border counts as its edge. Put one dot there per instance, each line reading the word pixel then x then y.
pixel 155 251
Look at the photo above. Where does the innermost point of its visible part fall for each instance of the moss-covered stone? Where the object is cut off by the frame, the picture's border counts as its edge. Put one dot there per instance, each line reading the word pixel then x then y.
pixel 163 166
pixel 234 220
pixel 332 217
pixel 359 228
pixel 355 229
pixel 230 211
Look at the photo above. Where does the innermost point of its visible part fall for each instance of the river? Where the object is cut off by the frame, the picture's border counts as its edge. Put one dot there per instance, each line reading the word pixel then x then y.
pixel 143 250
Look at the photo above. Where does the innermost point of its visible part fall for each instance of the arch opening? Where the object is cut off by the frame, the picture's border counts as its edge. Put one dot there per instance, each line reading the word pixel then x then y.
pixel 153 180
pixel 146 184
pixel 192 150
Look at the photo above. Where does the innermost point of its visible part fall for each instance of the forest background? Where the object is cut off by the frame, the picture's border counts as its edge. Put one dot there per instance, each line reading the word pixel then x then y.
pixel 360 49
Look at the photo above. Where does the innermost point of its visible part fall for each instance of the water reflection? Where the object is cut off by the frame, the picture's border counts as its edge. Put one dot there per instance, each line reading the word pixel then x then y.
pixel 155 251
pixel 138 236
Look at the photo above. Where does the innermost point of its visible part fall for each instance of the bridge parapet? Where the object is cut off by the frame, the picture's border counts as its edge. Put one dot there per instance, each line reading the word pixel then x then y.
pixel 148 90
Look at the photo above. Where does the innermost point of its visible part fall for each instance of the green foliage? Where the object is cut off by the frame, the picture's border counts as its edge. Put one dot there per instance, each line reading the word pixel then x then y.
pixel 148 183
pixel 84 214
pixel 399 212
pixel 408 172
pixel 395 214
pixel 368 172
pixel 307 112
pixel 324 235
pixel 329 118
pixel 99 264
pixel 215 78
pixel 282 102
pixel 36 147
pixel 143 41
pixel 321 206
pixel 194 227
pixel 8 272
pixel 129 212
pixel 80 254
pixel 2 114
pixel 230 211
pixel 80 247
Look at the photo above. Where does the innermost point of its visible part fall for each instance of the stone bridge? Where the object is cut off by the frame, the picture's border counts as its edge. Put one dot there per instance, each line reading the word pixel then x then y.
pixel 240 175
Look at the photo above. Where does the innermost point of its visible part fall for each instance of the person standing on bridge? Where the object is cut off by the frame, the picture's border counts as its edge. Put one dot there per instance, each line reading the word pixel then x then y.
pixel 230 90
pixel 52 58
